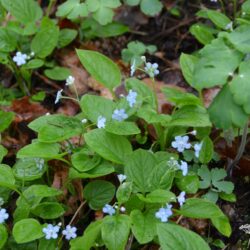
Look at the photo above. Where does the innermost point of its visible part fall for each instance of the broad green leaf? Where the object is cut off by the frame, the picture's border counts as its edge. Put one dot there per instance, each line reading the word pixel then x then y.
pixel 3 152
pixel 67 7
pixel 29 169
pixel 8 40
pixel 3 235
pixel 189 183
pixel 94 106
pixel 224 112
pixel 191 116
pixel 48 210
pixel 246 7
pixel 39 150
pixel 66 36
pixel 219 19
pixel 85 242
pixel 111 147
pixel 115 231
pixel 179 238
pixel 240 38
pixel 103 169
pixel 158 196
pixel 123 192
pixel 139 166
pixel 45 39
pixel 25 11
pixel 56 128
pixel 143 226
pixel 47 244
pixel 207 150
pixel 216 63
pixel 132 2
pixel 57 73
pixel 84 160
pixel 6 118
pixel 203 209
pixel 98 193
pixel 179 97
pixel 101 68
pixel 202 33
pixel 241 95
pixel 27 230
pixel 151 7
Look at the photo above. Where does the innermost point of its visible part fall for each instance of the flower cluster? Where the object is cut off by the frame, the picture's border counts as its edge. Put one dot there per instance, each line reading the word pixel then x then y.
pixel 174 164
pixel 152 69
pixel 21 59
pixel 51 232
pixel 70 80
pixel 164 213
pixel 110 210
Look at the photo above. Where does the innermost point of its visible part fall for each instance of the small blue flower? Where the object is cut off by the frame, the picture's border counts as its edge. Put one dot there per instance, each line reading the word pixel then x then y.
pixel 131 98
pixel 119 115
pixel 58 96
pixel 101 121
pixel 164 213
pixel 51 232
pixel 69 232
pixel 184 168
pixel 107 209
pixel 181 198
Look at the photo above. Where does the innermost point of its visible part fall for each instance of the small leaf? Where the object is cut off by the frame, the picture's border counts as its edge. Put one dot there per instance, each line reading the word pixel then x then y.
pixel 188 183
pixel 202 33
pixel 57 73
pixel 105 71
pixel 123 192
pixel 98 193
pixel 205 175
pixel 3 236
pixel 6 119
pixel 66 36
pixel 219 19
pixel 207 150
pixel 151 7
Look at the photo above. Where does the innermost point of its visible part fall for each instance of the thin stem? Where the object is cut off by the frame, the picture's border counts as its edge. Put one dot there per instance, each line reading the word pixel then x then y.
pixel 69 98
pixel 235 8
pixel 51 4
pixel 76 92
pixel 155 94
pixel 240 151
pixel 130 241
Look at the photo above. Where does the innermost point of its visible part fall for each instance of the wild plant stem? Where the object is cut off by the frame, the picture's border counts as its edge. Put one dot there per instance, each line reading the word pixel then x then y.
pixel 51 3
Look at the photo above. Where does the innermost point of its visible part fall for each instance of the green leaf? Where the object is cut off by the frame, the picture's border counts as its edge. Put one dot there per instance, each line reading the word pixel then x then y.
pixel 240 38
pixel 27 230
pixel 224 112
pixel 94 106
pixel 151 7
pixel 6 119
pixel 158 196
pixel 205 175
pixel 216 63
pixel 176 237
pixel 48 210
pixel 123 192
pixel 115 231
pixel 47 244
pixel 246 7
pixel 56 128
pixel 39 150
pixel 132 2
pixel 203 209
pixel 228 197
pixel 8 40
pixel 91 234
pixel 191 116
pixel 241 95
pixel 189 183
pixel 143 226
pixel 3 235
pixel 25 11
pixel 122 128
pixel 101 68
pixel 3 152
pixel 57 73
pixel 207 150
pixel 219 19
pixel 34 64
pixel 66 36
pixel 202 33
pixel 45 39
pixel 104 168
pixel 7 178
pixel 29 169
pixel 139 166
pixel 98 193
pixel 84 161
pixel 179 97
pixel 111 147
pixel 39 96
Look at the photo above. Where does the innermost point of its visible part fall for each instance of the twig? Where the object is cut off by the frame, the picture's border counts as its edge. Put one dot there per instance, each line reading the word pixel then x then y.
pixel 130 241
pixel 240 151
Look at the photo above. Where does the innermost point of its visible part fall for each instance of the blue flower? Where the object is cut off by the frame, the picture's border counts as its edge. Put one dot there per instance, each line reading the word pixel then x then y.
pixel 119 115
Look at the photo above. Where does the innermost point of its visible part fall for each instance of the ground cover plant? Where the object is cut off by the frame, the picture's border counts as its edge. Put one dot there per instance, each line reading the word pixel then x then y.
pixel 128 161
